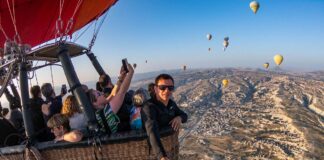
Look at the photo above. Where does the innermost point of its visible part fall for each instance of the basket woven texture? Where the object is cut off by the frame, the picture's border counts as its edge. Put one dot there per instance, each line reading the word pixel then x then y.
pixel 128 150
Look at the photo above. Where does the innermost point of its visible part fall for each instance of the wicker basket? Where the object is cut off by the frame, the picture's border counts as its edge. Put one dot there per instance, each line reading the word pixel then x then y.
pixel 128 146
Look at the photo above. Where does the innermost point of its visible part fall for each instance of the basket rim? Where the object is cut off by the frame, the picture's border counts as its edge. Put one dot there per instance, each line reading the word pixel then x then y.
pixel 119 137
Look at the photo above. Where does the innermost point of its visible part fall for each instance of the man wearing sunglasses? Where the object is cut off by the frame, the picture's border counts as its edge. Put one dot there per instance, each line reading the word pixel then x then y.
pixel 160 111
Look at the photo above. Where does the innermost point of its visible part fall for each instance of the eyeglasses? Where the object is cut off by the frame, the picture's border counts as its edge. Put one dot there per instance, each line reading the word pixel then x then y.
pixel 98 94
pixel 164 87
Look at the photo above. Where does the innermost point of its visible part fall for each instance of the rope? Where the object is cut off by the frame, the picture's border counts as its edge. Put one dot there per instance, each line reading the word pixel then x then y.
pixel 52 76
pixel 59 23
pixel 1 28
pixel 13 18
pixel 36 78
pixel 30 83
pixel 70 22
pixel 96 32
pixel 78 36
pixel 96 147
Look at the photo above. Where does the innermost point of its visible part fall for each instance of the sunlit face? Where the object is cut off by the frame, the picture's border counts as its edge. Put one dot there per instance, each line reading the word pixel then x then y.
pixel 58 131
pixel 164 89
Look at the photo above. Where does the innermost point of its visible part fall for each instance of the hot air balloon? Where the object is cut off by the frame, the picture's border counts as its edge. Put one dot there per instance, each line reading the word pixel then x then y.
pixel 278 59
pixel 209 49
pixel 145 61
pixel 254 5
pixel 36 22
pixel 209 36
pixel 266 65
pixel 225 82
pixel 184 67
pixel 225 43
pixel 134 65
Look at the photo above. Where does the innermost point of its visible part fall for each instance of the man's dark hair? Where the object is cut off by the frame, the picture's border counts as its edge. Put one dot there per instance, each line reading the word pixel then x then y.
pixel 35 90
pixel 163 76
pixel 47 90
pixel 104 80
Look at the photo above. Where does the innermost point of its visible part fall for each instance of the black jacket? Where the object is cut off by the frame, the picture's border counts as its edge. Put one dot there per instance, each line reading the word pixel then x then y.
pixel 156 115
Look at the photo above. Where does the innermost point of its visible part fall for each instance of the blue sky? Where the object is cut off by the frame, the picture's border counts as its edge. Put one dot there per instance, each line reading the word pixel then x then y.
pixel 172 33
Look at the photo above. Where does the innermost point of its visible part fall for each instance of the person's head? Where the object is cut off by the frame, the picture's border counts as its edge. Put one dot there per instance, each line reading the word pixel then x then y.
pixel 105 81
pixel 35 91
pixel 140 97
pixel 59 124
pixel 85 88
pixel 96 98
pixel 150 89
pixel 47 90
pixel 70 106
pixel 98 87
pixel 5 111
pixel 164 86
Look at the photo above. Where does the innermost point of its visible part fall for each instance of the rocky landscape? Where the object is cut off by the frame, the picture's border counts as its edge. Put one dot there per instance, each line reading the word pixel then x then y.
pixel 259 115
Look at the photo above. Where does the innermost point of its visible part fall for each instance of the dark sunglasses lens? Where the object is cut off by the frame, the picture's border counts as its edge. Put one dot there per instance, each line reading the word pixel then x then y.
pixel 171 88
pixel 162 87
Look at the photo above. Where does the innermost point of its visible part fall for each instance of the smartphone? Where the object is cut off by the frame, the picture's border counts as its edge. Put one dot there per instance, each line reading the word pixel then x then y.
pixel 124 61
pixel 63 89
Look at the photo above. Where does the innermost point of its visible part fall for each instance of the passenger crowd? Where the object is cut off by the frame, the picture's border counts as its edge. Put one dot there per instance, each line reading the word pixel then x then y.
pixel 116 109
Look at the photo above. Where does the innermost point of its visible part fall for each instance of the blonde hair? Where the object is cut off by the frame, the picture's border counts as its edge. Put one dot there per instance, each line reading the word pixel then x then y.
pixel 70 106
pixel 59 120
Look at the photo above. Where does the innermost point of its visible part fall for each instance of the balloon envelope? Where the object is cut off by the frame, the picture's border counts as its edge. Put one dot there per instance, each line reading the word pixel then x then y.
pixel 225 44
pixel 278 59
pixel 254 5
pixel 225 82
pixel 266 65
pixel 209 36
pixel 36 20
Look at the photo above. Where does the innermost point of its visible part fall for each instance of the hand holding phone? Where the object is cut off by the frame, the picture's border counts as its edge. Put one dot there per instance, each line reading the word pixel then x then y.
pixel 125 63
pixel 63 89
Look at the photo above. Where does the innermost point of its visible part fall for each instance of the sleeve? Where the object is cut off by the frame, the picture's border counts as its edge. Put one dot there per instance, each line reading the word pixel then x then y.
pixel 152 129
pixel 182 114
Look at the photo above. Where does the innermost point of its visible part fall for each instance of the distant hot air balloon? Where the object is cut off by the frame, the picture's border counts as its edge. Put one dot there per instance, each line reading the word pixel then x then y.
pixel 209 36
pixel 145 61
pixel 134 65
pixel 225 82
pixel 266 65
pixel 184 67
pixel 254 5
pixel 209 49
pixel 225 43
pixel 278 59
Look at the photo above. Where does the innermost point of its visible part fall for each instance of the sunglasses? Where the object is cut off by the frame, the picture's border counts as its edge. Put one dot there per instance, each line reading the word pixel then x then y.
pixel 164 87
pixel 98 94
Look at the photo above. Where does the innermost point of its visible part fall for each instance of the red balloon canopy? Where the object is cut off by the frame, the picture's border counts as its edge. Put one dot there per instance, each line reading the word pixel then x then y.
pixel 35 21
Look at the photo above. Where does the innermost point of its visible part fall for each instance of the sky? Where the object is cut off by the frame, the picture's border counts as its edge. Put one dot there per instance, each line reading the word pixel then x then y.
pixel 172 33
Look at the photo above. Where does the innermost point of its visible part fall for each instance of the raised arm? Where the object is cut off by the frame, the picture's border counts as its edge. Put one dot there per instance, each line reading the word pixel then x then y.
pixel 117 100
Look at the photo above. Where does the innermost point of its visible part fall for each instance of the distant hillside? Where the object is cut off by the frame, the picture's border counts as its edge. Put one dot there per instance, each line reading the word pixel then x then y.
pixel 260 115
